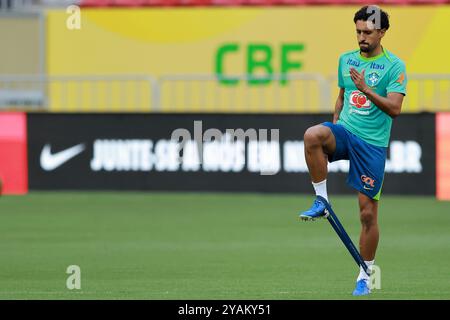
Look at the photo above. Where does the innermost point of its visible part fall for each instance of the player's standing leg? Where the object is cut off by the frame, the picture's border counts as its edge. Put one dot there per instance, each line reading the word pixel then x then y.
pixel 319 143
pixel 368 240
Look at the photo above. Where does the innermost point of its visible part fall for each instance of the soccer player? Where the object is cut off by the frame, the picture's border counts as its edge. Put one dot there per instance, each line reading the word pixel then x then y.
pixel 372 83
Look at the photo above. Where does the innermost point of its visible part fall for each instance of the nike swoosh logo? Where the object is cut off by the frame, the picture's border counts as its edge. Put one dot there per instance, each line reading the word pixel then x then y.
pixel 51 161
pixel 368 188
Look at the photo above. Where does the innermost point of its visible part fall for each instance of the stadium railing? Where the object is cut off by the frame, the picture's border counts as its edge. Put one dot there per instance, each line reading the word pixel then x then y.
pixel 302 93
pixel 121 93
pixel 26 5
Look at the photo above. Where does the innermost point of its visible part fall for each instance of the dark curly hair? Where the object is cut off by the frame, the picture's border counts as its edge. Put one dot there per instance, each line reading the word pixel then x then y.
pixel 368 13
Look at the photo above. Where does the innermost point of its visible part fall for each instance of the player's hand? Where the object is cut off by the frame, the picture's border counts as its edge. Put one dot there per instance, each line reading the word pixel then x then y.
pixel 358 80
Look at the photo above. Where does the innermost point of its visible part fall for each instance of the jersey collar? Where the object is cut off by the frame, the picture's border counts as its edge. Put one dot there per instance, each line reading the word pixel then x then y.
pixel 383 53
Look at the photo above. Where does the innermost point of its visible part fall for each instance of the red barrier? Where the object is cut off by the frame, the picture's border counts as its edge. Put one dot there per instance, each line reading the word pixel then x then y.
pixel 443 155
pixel 13 153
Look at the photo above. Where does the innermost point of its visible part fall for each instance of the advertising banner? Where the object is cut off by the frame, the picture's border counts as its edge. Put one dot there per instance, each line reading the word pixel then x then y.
pixel 255 41
pixel 203 152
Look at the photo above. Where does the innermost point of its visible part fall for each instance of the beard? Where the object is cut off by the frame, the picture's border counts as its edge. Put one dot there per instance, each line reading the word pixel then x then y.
pixel 365 48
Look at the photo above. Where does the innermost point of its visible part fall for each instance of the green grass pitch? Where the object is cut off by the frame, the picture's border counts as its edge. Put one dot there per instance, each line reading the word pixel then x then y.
pixel 213 246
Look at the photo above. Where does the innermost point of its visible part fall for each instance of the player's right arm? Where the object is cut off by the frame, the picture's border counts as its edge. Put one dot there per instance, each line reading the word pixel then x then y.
pixel 339 104
pixel 340 99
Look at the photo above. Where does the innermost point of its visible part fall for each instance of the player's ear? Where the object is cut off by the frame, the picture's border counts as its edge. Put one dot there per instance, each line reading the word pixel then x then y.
pixel 382 32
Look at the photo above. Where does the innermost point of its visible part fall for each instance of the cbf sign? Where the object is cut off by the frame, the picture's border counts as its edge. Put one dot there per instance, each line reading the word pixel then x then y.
pixel 260 61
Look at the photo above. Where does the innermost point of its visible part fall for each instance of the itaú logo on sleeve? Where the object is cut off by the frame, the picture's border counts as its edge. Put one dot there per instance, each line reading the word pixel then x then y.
pixel 359 100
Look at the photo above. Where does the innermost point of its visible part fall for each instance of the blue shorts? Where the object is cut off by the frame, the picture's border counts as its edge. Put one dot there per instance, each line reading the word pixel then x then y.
pixel 367 161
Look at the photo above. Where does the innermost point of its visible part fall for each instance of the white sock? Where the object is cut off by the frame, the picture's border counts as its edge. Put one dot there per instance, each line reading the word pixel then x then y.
pixel 321 188
pixel 362 273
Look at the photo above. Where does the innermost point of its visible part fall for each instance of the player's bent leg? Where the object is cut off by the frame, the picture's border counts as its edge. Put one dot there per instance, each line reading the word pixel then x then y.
pixel 319 142
pixel 368 241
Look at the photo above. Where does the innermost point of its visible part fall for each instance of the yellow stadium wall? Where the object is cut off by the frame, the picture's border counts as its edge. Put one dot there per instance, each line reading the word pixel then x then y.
pixel 188 41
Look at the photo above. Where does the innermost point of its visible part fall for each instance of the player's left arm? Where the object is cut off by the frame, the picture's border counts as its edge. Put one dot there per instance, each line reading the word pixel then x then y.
pixel 392 104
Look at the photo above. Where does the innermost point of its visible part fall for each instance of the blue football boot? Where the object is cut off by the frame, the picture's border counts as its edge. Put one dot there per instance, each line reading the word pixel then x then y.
pixel 362 288
pixel 317 210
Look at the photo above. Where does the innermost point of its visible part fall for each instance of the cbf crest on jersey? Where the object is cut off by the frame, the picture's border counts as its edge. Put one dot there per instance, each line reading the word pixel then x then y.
pixel 372 79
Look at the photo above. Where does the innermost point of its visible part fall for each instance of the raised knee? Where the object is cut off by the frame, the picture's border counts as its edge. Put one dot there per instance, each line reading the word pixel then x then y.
pixel 312 137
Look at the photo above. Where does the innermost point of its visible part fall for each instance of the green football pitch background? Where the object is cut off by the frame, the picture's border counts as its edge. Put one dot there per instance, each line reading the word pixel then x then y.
pixel 213 246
